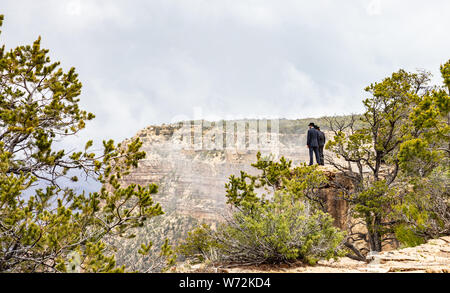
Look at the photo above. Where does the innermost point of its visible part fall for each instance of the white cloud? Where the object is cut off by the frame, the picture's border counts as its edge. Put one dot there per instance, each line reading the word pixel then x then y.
pixel 299 85
pixel 374 7
pixel 73 7
pixel 302 97
pixel 148 62
pixel 82 14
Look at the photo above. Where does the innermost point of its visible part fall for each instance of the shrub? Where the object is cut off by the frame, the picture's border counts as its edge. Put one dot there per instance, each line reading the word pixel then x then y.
pixel 282 230
pixel 424 210
pixel 198 245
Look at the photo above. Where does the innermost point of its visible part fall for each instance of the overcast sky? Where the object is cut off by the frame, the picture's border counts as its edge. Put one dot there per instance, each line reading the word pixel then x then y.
pixel 158 61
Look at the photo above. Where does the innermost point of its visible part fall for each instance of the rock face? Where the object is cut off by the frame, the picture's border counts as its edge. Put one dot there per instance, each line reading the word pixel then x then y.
pixel 192 161
pixel 336 207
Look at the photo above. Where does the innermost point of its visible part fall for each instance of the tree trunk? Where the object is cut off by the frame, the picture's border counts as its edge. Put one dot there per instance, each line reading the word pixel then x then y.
pixel 374 234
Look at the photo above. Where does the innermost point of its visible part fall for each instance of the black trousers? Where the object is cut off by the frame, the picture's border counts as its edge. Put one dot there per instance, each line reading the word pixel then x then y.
pixel 314 150
pixel 322 158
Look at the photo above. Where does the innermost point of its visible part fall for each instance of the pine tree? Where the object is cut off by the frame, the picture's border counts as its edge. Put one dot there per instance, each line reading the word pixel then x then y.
pixel 402 133
pixel 44 225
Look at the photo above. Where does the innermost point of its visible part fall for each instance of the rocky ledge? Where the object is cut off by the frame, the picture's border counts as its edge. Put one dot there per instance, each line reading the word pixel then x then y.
pixel 432 257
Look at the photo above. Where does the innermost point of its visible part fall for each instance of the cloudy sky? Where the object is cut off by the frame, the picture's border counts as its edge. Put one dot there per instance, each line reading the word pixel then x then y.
pixel 159 61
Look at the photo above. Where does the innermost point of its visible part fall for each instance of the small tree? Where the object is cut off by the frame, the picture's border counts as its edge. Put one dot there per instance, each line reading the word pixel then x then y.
pixel 44 225
pixel 303 182
pixel 395 133
pixel 424 211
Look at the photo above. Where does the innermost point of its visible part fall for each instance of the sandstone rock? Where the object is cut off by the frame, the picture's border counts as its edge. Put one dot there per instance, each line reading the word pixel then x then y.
pixel 420 259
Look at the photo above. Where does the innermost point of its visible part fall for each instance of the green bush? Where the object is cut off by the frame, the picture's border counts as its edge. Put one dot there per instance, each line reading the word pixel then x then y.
pixel 424 210
pixel 282 230
pixel 407 236
pixel 278 231
pixel 198 244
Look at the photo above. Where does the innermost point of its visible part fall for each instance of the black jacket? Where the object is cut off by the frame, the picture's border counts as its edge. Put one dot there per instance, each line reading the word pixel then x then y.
pixel 313 138
pixel 321 138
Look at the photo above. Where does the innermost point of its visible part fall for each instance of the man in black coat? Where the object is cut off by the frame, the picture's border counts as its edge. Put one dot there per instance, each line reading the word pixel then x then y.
pixel 312 142
pixel 321 139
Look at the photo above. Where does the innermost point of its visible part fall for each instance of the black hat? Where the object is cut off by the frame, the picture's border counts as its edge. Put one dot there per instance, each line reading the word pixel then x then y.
pixel 316 127
pixel 311 124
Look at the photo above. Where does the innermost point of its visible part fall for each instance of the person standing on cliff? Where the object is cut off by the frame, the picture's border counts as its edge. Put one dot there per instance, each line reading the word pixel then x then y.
pixel 312 142
pixel 321 139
